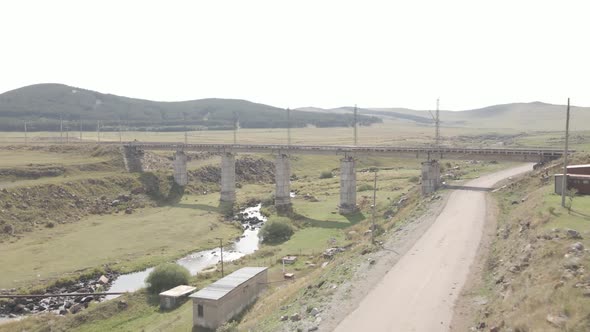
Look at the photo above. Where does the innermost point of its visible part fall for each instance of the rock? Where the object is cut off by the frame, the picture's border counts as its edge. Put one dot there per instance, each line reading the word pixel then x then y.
pixel 295 317
pixel 86 299
pixel 557 320
pixel 313 328
pixel 371 261
pixel 63 311
pixel 284 318
pixel 573 234
pixel 314 312
pixel 18 308
pixel 128 210
pixel 578 246
pixel 103 280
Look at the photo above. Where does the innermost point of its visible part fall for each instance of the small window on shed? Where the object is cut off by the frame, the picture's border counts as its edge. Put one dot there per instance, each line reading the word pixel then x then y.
pixel 200 310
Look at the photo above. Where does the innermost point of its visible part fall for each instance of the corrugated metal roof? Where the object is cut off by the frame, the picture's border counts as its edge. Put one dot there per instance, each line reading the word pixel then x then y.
pixel 178 291
pixel 221 287
pixel 579 166
pixel 576 176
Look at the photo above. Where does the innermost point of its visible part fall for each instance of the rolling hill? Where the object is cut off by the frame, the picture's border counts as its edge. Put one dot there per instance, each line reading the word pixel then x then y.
pixel 520 116
pixel 42 106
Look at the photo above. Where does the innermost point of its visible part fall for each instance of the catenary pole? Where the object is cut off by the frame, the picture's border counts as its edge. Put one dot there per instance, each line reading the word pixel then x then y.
pixel 564 177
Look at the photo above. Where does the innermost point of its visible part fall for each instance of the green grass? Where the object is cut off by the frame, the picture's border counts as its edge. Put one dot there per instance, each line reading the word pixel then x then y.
pixel 126 242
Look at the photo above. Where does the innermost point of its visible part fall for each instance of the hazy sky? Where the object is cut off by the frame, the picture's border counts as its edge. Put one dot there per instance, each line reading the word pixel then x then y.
pixel 304 53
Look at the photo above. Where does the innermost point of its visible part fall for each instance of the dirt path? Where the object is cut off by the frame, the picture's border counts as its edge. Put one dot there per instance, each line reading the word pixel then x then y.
pixel 419 292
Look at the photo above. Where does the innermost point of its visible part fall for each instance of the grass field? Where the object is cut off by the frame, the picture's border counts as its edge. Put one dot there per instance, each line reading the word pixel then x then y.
pixel 388 132
pixel 156 234
pixel 126 242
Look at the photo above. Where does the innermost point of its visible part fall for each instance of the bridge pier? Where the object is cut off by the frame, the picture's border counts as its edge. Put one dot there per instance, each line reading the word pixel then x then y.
pixel 180 173
pixel 283 185
pixel 430 176
pixel 347 186
pixel 132 159
pixel 228 178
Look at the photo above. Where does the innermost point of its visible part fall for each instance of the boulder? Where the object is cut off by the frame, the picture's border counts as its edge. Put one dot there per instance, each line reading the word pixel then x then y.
pixel 295 317
pixel 103 280
pixel 314 311
pixel 573 234
pixel 576 247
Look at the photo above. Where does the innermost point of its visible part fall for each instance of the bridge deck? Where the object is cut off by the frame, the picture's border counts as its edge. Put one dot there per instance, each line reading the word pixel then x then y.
pixel 517 154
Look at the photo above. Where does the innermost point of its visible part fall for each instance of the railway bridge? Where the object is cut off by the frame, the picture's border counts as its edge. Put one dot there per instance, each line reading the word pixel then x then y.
pixel 429 155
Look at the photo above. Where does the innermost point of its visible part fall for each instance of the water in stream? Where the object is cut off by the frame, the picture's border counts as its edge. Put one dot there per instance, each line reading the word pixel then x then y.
pixel 198 261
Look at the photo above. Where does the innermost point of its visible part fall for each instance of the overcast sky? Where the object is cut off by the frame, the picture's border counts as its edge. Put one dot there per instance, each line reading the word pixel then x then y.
pixel 304 53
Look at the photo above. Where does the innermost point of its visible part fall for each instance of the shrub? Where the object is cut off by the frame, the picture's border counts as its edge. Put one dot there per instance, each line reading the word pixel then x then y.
pixel 326 175
pixel 276 232
pixel 166 276
pixel 414 179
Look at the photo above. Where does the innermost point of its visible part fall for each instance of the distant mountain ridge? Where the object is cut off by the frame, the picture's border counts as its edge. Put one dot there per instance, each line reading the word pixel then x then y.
pixel 521 116
pixel 43 105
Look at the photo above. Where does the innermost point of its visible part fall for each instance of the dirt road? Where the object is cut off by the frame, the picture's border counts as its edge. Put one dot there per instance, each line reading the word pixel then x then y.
pixel 419 292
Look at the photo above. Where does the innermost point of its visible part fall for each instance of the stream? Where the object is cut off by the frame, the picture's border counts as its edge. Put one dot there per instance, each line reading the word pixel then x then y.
pixel 251 220
pixel 195 262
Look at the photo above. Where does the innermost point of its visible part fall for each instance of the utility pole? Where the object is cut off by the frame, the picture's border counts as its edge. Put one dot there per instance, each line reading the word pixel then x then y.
pixel 374 206
pixel 567 132
pixel 98 131
pixel 61 129
pixel 436 119
pixel 221 248
pixel 120 136
pixel 355 125
pixel 236 120
pixel 437 122
pixel 68 133
pixel 80 129
pixel 26 140
pixel 288 127
pixel 185 134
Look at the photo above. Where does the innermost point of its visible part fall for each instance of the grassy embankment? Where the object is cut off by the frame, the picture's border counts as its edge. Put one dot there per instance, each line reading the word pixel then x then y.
pixel 533 279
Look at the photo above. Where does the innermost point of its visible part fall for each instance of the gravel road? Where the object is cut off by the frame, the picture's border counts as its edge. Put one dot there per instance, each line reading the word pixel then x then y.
pixel 419 292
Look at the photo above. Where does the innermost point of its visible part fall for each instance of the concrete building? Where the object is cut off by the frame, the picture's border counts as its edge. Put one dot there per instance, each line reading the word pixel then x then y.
pixel 578 178
pixel 171 298
pixel 227 297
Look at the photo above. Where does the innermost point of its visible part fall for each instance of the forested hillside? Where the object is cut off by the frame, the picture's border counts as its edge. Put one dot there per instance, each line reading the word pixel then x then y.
pixel 43 105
